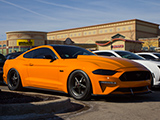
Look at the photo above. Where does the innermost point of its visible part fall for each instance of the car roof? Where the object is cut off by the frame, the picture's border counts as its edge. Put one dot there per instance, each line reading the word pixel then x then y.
pixel 148 53
pixel 110 51
pixel 53 45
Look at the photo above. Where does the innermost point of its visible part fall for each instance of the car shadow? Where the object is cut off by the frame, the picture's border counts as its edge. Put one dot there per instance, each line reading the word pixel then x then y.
pixel 2 83
pixel 151 97
pixel 45 91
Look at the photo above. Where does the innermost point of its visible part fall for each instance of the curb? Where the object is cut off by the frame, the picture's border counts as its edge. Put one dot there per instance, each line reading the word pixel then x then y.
pixel 52 106
pixel 33 109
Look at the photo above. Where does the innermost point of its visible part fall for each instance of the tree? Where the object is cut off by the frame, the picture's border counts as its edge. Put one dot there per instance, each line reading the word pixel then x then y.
pixel 149 43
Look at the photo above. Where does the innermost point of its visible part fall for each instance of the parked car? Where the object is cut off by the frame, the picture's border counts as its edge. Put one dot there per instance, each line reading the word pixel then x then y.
pixel 150 56
pixel 13 55
pixel 76 71
pixel 154 67
pixel 2 60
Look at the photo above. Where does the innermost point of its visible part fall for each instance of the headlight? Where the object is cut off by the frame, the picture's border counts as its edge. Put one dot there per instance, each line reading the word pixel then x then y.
pixel 104 72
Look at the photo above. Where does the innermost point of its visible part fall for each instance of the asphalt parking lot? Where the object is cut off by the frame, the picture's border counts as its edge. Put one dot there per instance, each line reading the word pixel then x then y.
pixel 115 107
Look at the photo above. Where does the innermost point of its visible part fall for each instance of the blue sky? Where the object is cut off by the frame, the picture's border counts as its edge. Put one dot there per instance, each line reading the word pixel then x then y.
pixel 52 15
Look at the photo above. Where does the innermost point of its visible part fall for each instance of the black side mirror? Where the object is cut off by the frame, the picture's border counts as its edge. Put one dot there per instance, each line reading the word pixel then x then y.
pixel 49 57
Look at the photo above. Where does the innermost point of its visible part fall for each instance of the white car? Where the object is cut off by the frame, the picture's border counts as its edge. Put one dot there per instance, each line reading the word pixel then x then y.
pixel 153 66
pixel 150 56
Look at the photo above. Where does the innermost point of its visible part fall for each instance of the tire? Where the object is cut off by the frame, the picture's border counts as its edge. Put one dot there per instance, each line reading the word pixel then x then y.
pixel 79 85
pixel 14 80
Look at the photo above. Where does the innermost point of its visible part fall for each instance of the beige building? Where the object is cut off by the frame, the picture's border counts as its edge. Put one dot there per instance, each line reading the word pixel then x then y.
pixel 122 35
pixel 120 44
pixel 3 47
pixel 23 40
pixel 130 29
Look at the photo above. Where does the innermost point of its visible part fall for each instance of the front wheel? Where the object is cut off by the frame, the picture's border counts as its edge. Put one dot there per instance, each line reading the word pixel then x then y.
pixel 14 81
pixel 79 85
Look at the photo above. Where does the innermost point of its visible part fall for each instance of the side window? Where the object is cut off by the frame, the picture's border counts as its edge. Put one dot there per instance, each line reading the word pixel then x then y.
pixel 29 54
pixel 148 57
pixel 105 54
pixel 39 53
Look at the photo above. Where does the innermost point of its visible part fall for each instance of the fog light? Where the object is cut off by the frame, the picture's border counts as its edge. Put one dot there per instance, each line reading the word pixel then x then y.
pixel 107 82
pixel 104 84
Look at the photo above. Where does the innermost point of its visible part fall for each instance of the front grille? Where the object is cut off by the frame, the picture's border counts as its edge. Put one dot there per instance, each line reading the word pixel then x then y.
pixel 135 76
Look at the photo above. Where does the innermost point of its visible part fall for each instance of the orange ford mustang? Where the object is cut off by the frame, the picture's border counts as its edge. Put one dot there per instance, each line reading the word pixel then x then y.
pixel 76 71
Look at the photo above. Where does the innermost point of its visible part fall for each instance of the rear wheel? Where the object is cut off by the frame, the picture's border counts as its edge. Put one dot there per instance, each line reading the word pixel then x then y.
pixel 79 85
pixel 14 81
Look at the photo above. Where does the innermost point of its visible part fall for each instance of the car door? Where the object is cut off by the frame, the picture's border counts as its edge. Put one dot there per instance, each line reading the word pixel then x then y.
pixel 43 72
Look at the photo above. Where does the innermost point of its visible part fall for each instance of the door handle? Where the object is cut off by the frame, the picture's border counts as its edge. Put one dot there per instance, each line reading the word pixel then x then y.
pixel 30 64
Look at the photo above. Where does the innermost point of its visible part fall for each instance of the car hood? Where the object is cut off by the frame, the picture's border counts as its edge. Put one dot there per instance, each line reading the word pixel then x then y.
pixel 146 62
pixel 109 62
pixel 152 66
pixel 155 62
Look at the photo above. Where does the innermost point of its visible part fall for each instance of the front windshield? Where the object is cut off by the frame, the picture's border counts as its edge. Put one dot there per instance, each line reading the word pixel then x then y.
pixel 129 55
pixel 66 52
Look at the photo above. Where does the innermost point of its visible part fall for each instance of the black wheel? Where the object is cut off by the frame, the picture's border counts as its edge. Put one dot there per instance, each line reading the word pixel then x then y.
pixel 14 81
pixel 79 85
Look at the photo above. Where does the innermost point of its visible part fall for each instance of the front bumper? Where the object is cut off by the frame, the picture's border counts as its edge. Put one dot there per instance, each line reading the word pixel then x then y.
pixel 105 85
pixel 132 91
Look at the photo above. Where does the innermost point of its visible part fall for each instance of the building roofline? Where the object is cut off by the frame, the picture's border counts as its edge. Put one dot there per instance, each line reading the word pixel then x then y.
pixel 116 39
pixel 104 24
pixel 25 32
